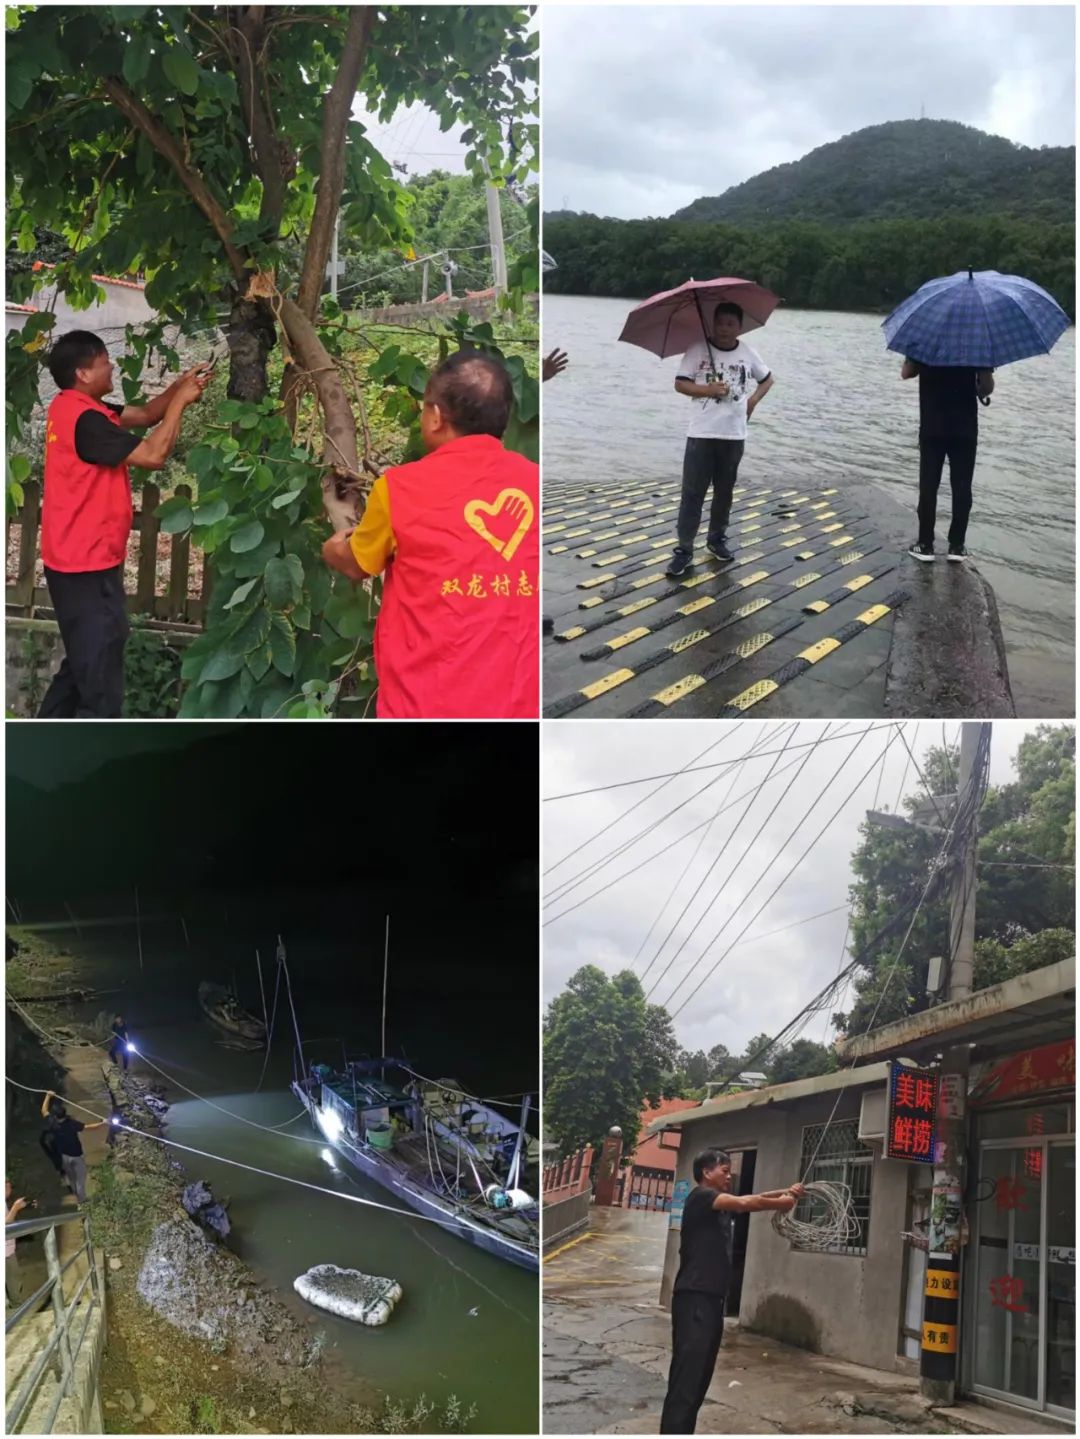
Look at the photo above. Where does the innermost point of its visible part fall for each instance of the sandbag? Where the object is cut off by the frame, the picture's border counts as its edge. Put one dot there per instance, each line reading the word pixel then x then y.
pixel 348 1293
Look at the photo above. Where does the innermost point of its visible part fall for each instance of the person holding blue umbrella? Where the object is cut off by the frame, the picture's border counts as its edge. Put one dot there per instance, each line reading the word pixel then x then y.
pixel 953 333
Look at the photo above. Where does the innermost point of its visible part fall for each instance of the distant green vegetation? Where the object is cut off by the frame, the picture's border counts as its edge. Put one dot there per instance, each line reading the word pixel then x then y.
pixel 855 225
pixel 868 265
pixel 907 169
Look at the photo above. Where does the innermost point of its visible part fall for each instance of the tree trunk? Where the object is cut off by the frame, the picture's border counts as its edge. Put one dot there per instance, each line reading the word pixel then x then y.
pixel 251 336
pixel 343 482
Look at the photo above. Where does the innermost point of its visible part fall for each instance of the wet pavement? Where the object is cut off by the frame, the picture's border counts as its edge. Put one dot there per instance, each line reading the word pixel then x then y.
pixel 607 1349
pixel 799 624
pixel 819 615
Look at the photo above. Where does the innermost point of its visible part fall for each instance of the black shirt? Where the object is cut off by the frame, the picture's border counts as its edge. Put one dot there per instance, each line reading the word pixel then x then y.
pixel 99 442
pixel 67 1133
pixel 948 402
pixel 705 1245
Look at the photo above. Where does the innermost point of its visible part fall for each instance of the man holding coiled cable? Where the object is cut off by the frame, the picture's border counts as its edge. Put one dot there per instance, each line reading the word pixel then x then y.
pixel 701 1285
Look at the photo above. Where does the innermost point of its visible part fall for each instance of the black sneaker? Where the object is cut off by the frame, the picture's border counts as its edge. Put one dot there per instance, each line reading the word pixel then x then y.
pixel 958 553
pixel 720 551
pixel 921 552
pixel 681 564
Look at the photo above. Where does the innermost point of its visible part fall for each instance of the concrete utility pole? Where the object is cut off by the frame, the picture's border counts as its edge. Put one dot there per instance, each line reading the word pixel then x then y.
pixel 424 282
pixel 941 1302
pixel 334 258
pixel 495 234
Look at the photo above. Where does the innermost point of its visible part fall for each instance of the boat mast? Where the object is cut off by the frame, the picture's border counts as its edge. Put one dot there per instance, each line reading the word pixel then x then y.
pixel 385 977
pixel 515 1163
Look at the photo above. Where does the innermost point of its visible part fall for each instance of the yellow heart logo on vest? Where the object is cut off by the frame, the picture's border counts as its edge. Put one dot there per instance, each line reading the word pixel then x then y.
pixel 516 504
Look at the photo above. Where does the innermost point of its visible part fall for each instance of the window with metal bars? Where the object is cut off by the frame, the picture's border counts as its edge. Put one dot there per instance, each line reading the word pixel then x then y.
pixel 835 1152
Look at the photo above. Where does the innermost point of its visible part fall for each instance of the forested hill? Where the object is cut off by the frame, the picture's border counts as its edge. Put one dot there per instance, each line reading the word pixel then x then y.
pixel 906 169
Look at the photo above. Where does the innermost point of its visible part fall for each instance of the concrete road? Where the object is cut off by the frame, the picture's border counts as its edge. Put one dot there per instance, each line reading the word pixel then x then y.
pixel 607 1348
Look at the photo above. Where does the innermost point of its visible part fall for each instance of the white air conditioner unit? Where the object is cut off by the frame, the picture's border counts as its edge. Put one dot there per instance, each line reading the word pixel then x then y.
pixel 873 1110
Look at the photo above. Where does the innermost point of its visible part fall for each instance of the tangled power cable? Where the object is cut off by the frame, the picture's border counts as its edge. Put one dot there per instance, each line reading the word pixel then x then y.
pixel 832 1222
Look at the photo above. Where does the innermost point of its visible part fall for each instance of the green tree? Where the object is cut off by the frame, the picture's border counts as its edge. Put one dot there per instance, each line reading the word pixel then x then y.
pixel 212 149
pixel 802 1060
pixel 1026 893
pixel 606 1053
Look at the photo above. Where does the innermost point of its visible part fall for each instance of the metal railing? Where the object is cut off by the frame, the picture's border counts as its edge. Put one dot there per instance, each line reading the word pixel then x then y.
pixel 59 1343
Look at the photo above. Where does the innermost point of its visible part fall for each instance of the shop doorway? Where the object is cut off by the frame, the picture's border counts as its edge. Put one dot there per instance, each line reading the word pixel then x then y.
pixel 1021 1272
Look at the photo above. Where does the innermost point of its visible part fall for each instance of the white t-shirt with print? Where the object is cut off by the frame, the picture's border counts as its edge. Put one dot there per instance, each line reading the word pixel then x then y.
pixel 714 419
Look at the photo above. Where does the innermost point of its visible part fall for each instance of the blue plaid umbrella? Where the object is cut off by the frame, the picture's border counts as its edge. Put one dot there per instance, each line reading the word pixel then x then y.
pixel 984 320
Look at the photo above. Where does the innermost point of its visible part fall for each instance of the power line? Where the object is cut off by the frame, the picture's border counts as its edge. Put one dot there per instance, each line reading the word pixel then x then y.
pixel 732 872
pixel 728 734
pixel 648 778
pixel 686 870
pixel 786 877
pixel 591 870
pixel 656 855
pixel 570 854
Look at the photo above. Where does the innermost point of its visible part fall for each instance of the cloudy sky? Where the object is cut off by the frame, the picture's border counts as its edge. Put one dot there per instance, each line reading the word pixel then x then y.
pixel 758 986
pixel 647 108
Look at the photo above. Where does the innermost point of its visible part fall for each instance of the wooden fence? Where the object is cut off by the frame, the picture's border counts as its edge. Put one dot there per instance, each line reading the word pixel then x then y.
pixel 173 605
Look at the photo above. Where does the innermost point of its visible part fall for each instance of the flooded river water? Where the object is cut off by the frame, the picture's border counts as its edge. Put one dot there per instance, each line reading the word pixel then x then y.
pixel 840 415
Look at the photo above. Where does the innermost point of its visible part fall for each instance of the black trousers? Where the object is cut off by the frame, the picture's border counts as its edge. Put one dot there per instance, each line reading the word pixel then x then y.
pixel 697 1327
pixel 118 1052
pixel 705 463
pixel 93 625
pixel 933 452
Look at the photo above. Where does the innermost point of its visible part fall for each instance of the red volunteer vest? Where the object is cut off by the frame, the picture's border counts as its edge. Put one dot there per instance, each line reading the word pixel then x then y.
pixel 458 632
pixel 86 512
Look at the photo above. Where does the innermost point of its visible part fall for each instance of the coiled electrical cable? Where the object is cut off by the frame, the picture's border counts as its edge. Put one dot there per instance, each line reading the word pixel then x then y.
pixel 832 1221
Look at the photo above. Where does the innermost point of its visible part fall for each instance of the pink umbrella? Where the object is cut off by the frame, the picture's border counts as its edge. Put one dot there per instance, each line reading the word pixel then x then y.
pixel 669 323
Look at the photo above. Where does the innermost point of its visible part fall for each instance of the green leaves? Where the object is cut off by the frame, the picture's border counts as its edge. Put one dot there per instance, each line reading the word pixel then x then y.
pixel 247 537
pixel 176 515
pixel 284 580
pixel 181 69
pixel 240 594
pixel 211 512
pixel 136 59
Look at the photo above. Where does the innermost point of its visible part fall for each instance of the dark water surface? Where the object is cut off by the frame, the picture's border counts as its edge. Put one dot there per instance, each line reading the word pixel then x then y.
pixel 840 415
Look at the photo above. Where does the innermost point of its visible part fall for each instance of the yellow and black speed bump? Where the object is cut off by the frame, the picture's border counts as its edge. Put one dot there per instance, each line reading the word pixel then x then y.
pixel 818 607
pixel 755 535
pixel 703 602
pixel 558 708
pixel 810 657
pixel 820 547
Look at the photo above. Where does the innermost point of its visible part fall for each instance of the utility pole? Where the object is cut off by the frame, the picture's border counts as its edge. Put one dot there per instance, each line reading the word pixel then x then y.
pixel 495 233
pixel 423 283
pixel 334 258
pixel 941 1302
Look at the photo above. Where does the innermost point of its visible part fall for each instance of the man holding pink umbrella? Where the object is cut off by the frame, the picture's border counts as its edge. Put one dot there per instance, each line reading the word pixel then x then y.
pixel 724 379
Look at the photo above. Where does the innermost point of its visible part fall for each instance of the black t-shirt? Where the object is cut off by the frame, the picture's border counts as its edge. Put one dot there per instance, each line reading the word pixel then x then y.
pixel 948 402
pixel 67 1133
pixel 99 442
pixel 705 1246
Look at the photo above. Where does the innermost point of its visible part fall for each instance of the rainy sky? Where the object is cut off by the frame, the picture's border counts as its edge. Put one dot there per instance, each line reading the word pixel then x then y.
pixel 758 987
pixel 647 108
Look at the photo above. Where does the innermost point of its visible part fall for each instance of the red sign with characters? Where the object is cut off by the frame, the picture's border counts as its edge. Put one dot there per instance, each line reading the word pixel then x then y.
pixel 912 1114
pixel 1051 1067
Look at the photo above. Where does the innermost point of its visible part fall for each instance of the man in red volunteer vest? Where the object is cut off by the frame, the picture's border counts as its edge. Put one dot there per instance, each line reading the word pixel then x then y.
pixel 86 516
pixel 455 537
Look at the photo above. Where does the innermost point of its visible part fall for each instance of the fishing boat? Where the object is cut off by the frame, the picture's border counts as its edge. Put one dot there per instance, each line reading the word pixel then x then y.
pixel 222 1008
pixel 443 1153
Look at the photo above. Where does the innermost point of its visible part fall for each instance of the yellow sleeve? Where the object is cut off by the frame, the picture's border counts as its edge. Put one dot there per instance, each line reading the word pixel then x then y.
pixel 373 542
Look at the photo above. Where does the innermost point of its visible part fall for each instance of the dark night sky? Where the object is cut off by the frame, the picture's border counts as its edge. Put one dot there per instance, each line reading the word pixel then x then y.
pixel 313 830
pixel 255 804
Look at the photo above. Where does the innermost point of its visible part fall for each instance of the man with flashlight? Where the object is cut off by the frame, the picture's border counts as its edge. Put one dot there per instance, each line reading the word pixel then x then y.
pixel 120 1045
